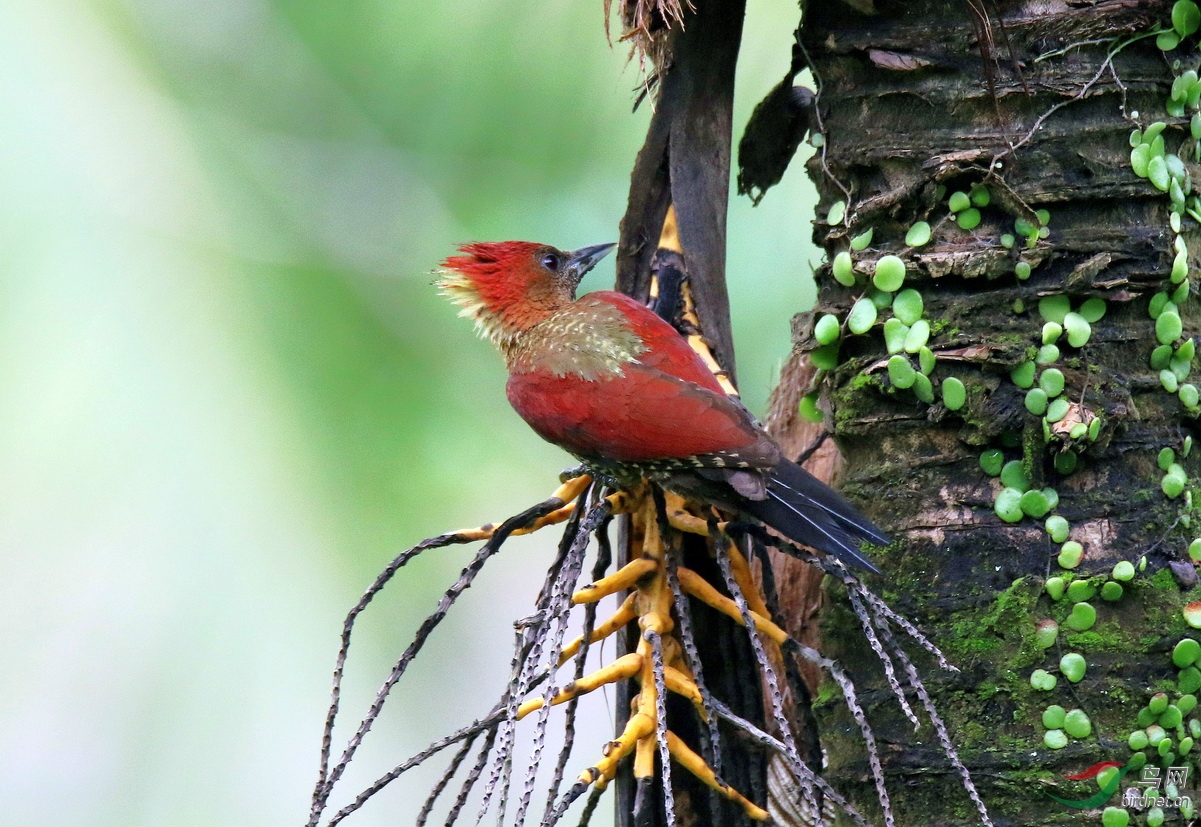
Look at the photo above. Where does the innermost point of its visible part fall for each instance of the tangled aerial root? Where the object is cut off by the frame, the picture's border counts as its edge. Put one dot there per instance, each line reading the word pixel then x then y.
pixel 665 661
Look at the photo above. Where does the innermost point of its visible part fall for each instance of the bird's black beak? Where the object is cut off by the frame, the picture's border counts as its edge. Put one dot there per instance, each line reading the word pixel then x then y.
pixel 584 259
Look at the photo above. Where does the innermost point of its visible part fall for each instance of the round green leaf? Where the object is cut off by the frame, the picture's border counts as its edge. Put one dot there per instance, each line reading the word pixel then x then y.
pixel 1073 666
pixel 1046 632
pixel 1052 382
pixel 969 219
pixel 1043 680
pixel 954 394
pixel 1054 308
pixel 1065 462
pixel 1077 328
pixel 1055 588
pixel 1082 618
pixel 844 272
pixel 809 410
pixel 1179 268
pixel 1014 476
pixel 917 337
pixel 1093 310
pixel 926 360
pixel 826 330
pixel 1158 304
pixel 918 235
pixel 1190 397
pixel 1081 590
pixel 895 332
pixel 1008 505
pixel 992 460
pixel 824 357
pixel 1070 554
pixel 1023 375
pixel 862 316
pixel 1057 409
pixel 1047 354
pixel 908 306
pixel 1186 17
pixel 890 274
pixel 1172 486
pixel 1168 327
pixel 1034 504
pixel 1140 159
pixel 923 388
pixel 1058 528
pixel 1077 724
pixel 1157 173
pixel 901 372
pixel 1036 401
pixel 1113 816
pixel 1054 715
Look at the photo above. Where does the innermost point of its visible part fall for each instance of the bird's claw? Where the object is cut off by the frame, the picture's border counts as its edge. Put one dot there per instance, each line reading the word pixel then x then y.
pixel 573 473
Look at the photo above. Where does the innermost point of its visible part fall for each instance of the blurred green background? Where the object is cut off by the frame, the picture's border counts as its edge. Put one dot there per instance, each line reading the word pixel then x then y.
pixel 229 394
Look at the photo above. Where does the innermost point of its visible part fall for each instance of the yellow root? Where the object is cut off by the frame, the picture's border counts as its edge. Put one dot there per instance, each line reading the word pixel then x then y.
pixel 696 765
pixel 692 583
pixel 624 578
pixel 682 684
pixel 618 670
pixel 568 493
pixel 650 602
pixel 620 618
pixel 637 729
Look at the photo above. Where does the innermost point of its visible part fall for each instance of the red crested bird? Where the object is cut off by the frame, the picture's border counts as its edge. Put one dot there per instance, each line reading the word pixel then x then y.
pixel 612 383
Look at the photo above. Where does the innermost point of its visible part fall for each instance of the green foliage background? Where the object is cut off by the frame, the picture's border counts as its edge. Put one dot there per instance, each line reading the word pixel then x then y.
pixel 228 393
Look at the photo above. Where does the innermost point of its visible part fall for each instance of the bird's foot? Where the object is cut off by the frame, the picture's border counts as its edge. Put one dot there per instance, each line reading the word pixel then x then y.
pixel 573 473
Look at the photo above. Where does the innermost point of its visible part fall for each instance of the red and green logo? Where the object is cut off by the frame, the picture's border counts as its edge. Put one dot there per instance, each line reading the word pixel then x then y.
pixel 1107 790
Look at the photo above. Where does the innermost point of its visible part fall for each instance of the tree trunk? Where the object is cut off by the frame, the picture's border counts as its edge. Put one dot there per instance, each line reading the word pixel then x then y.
pixel 1030 102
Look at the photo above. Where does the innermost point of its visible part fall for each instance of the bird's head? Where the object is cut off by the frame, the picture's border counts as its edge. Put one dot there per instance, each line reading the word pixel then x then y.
pixel 510 286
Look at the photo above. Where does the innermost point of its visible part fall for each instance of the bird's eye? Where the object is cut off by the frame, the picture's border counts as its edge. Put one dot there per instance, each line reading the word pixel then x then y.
pixel 550 261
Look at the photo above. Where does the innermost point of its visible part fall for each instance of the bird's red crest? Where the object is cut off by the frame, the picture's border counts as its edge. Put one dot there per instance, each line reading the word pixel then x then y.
pixel 498 283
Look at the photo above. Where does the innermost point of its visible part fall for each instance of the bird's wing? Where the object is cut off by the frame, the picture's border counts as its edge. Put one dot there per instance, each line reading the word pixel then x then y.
pixel 640 416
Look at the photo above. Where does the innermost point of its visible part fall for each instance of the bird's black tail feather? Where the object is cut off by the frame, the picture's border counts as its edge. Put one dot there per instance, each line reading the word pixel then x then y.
pixel 808 511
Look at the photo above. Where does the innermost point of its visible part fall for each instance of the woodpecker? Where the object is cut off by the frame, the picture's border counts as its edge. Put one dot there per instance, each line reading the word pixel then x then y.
pixel 615 385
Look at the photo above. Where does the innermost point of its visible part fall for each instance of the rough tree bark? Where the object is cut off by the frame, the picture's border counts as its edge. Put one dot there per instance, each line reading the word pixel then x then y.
pixel 919 101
